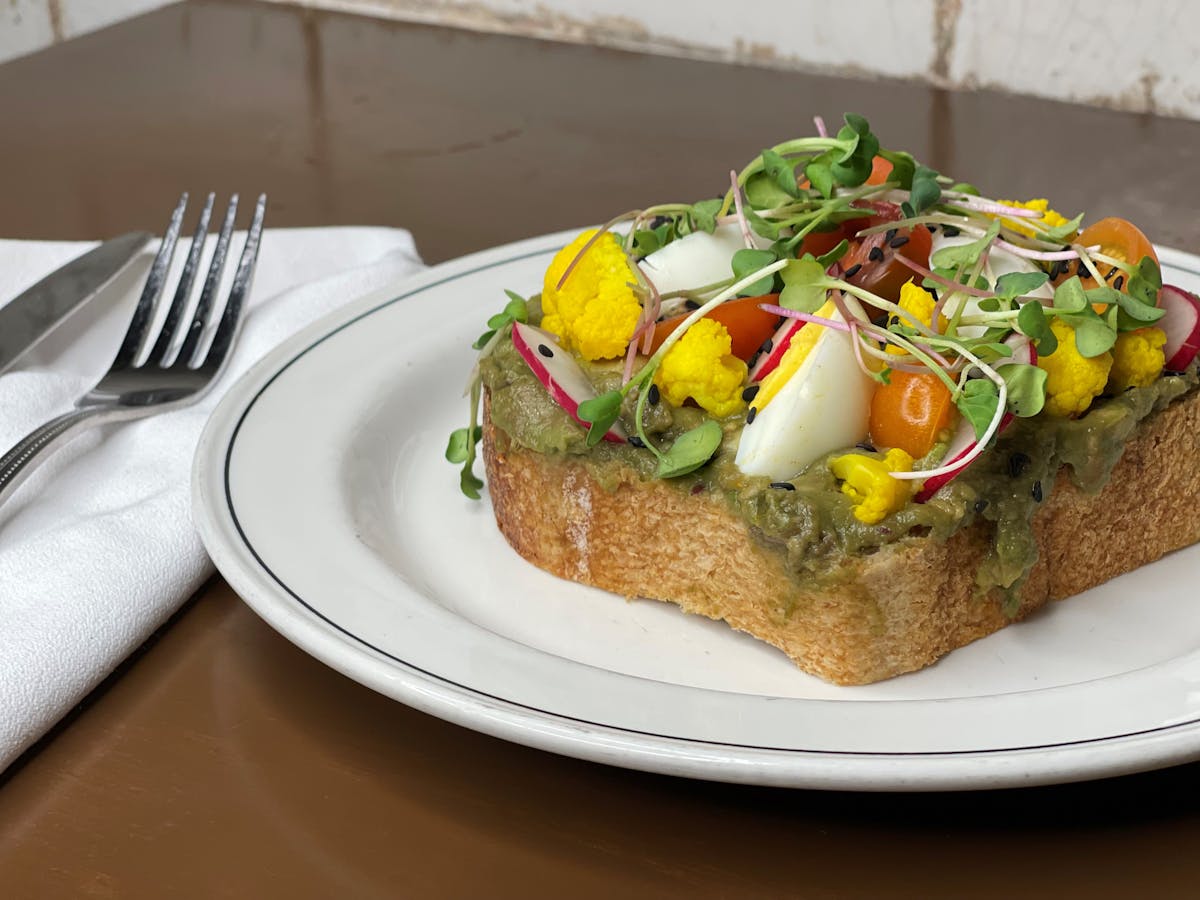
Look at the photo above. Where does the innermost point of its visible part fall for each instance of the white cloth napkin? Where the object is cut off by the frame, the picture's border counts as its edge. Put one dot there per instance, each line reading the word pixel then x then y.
pixel 97 548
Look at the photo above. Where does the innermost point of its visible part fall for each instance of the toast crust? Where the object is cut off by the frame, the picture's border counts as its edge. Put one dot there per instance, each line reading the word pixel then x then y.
pixel 896 610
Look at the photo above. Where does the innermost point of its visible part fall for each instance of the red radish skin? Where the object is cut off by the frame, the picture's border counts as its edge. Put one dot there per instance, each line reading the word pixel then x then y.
pixel 558 372
pixel 780 341
pixel 1181 324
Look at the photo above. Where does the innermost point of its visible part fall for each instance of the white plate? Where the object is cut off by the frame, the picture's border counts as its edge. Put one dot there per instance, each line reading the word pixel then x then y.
pixel 323 496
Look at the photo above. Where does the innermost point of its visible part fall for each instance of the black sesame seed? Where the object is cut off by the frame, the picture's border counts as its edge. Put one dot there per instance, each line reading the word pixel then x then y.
pixel 750 415
pixel 1120 280
pixel 658 221
pixel 750 393
pixel 980 505
pixel 652 395
pixel 691 304
pixel 697 489
pixel 635 441
pixel 545 351
pixel 783 485
pixel 899 241
pixel 950 231
pixel 853 270
pixel 865 445
pixel 1037 492
pixel 876 255
pixel 1055 268
pixel 1017 464
pixel 1081 269
pixel 932 229
pixel 933 293
pixel 767 345
pixel 1111 272
pixel 888 235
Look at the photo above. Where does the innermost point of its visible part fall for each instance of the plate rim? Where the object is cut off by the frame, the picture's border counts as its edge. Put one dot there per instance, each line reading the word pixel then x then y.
pixel 357 658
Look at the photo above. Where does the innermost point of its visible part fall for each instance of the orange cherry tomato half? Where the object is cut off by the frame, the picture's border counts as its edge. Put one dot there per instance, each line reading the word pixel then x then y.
pixel 910 412
pixel 879 271
pixel 1119 239
pixel 748 326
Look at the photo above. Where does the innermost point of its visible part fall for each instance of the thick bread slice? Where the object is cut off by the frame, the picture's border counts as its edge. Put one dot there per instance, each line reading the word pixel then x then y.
pixel 880 615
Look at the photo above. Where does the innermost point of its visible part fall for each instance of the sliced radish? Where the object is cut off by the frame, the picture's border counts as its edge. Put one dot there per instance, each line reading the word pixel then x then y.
pixel 558 372
pixel 780 341
pixel 961 444
pixel 1181 323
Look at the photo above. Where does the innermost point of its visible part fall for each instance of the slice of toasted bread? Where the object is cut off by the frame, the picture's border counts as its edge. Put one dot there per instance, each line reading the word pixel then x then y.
pixel 874 616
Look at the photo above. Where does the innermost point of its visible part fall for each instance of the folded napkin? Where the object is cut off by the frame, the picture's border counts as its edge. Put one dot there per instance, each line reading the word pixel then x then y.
pixel 97 548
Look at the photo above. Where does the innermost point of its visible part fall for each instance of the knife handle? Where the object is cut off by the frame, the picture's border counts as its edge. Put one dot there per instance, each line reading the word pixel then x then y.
pixel 23 458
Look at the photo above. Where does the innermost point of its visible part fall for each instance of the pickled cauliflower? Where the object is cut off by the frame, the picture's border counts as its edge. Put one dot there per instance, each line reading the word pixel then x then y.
pixel 1072 381
pixel 1050 218
pixel 701 366
pixel 918 303
pixel 595 311
pixel 866 481
pixel 1137 359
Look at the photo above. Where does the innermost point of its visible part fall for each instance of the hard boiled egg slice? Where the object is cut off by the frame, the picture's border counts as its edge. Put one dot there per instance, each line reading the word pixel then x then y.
pixel 817 400
pixel 697 259
pixel 999 262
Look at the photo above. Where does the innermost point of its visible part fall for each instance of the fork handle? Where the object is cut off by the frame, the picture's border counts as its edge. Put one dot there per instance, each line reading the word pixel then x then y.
pixel 23 458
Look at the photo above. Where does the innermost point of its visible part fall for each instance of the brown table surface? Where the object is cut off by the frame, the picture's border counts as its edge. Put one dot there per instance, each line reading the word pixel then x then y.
pixel 221 760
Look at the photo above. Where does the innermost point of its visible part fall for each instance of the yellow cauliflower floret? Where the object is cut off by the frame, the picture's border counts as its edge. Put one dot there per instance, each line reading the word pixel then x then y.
pixel 1050 218
pixel 1072 381
pixel 1137 359
pixel 596 311
pixel 866 481
pixel 701 366
pixel 918 303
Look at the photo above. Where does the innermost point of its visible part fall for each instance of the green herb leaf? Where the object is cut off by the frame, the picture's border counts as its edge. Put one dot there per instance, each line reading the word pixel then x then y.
pixel 763 193
pixel 1032 322
pixel 747 262
pixel 1145 282
pixel 469 483
pixel 828 259
pixel 517 307
pixel 1093 335
pixel 803 285
pixel 965 254
pixel 459 446
pixel 977 402
pixel 903 167
pixel 1141 313
pixel 1015 284
pixel 1058 233
pixel 858 124
pixel 925 190
pixel 1026 388
pixel 990 304
pixel 819 173
pixel 781 172
pixel 964 187
pixel 760 226
pixel 691 450
pixel 600 413
pixel 645 242
pixel 704 214
pixel 1070 297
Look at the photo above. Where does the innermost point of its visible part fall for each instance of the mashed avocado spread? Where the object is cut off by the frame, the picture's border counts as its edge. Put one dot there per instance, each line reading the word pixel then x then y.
pixel 809 515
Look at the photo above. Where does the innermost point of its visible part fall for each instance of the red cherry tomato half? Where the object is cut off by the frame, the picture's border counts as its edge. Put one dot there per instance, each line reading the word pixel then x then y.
pixel 748 325
pixel 910 412
pixel 879 271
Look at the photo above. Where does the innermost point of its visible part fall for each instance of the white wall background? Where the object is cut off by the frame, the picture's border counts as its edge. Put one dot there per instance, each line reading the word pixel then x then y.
pixel 1137 55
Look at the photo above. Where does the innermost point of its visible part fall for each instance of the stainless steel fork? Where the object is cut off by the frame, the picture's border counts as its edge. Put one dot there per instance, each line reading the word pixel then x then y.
pixel 141 384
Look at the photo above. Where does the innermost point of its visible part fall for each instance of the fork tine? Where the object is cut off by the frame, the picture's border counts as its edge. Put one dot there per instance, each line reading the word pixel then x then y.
pixel 143 314
pixel 231 316
pixel 184 290
pixel 195 330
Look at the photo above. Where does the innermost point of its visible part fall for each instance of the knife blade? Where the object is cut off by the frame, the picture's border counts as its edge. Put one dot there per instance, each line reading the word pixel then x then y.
pixel 28 318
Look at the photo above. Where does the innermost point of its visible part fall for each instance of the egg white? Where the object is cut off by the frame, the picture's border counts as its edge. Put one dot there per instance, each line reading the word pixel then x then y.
pixel 697 259
pixel 824 406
